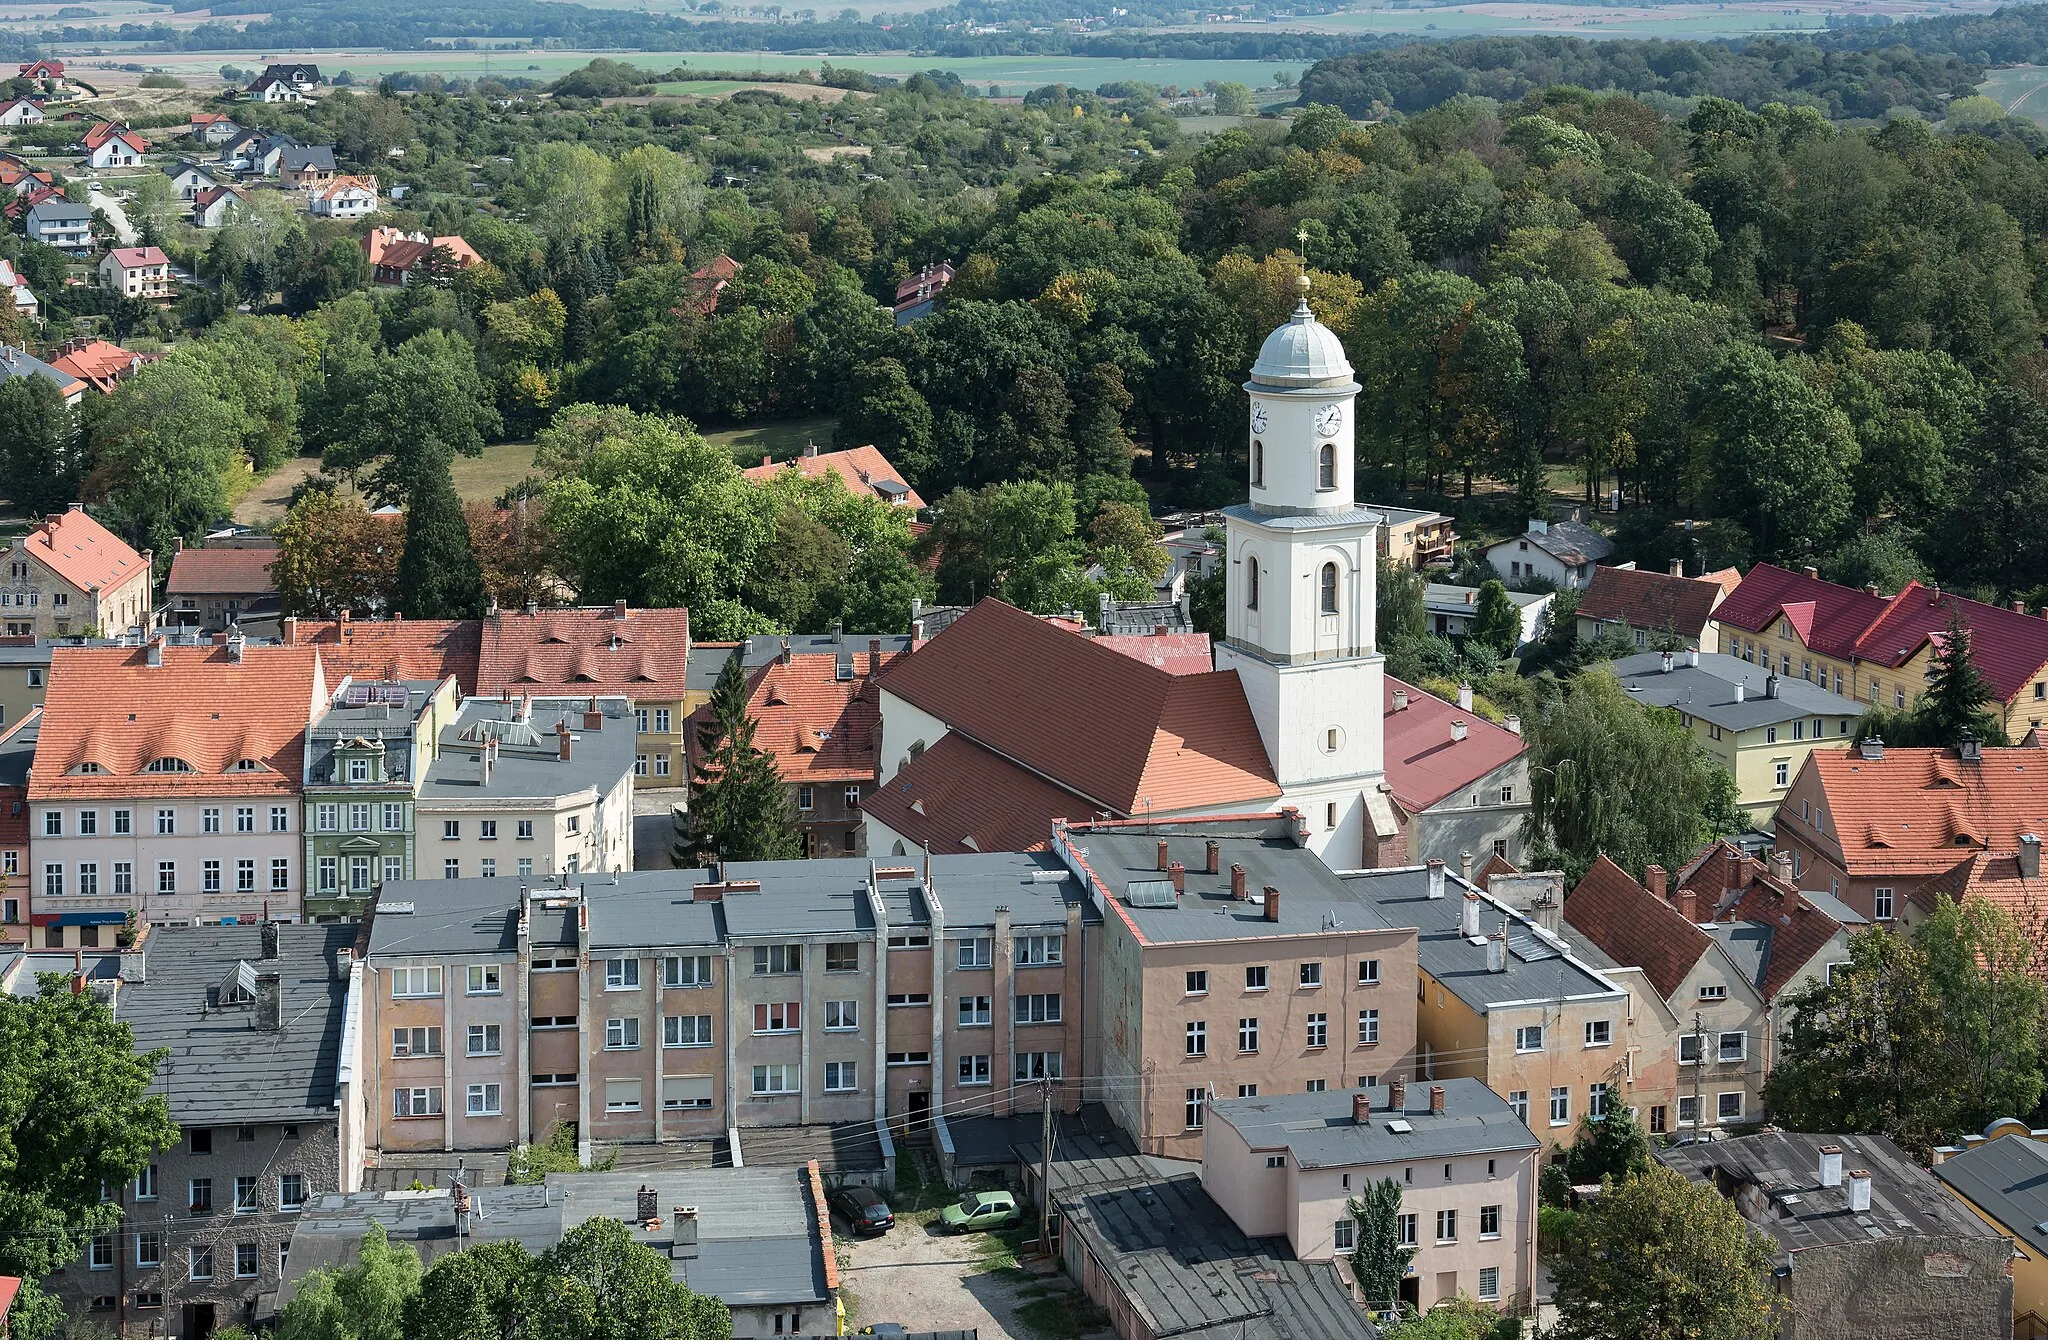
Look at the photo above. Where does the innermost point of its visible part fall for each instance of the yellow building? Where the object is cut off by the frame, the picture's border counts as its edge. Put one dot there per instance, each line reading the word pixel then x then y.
pixel 1757 724
pixel 2002 1176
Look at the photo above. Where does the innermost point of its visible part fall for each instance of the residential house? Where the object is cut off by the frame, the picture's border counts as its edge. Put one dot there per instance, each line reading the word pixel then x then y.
pixel 1288 1165
pixel 1757 724
pixel 865 471
pixel 14 287
pixel 639 655
pixel 111 144
pixel 1656 610
pixel 303 77
pixel 2003 1180
pixel 189 179
pixel 253 1019
pixel 396 256
pixel 24 675
pixel 365 760
pixel 71 576
pixel 20 112
pixel 20 363
pixel 46 74
pixel 1234 962
pixel 533 787
pixel 1880 650
pixel 304 166
pixel 1871 824
pixel 211 207
pixel 757 1239
pixel 2011 880
pixel 59 223
pixel 19 181
pixel 1456 784
pixel 100 365
pixel 221 585
pixel 1864 1241
pixel 918 295
pixel 1563 553
pixel 343 198
pixel 1452 610
pixel 268 88
pixel 1416 539
pixel 394 649
pixel 1510 1002
pixel 17 890
pixel 245 150
pixel 137 272
pixel 211 128
pixel 167 780
pixel 707 283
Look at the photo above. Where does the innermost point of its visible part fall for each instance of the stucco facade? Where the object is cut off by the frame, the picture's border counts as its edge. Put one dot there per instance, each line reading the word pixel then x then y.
pixel 170 859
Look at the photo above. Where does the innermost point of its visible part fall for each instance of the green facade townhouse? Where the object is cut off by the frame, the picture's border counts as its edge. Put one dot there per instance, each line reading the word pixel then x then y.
pixel 364 762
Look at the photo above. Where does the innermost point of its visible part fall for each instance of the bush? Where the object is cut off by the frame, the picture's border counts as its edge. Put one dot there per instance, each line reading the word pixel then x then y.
pixel 162 81
pixel 1554 1224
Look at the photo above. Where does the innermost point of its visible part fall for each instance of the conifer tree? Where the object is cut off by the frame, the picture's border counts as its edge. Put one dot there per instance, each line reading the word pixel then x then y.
pixel 739 806
pixel 438 576
pixel 1957 698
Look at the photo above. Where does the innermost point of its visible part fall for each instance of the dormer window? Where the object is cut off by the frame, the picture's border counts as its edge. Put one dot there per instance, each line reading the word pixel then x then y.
pixel 247 765
pixel 87 770
pixel 168 765
pixel 359 770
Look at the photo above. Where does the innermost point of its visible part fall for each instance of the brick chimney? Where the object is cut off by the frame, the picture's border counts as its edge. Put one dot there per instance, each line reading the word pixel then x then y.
pixel 1178 873
pixel 1361 1108
pixel 562 739
pixel 1656 880
pixel 1688 903
pixel 1213 856
pixel 1397 1096
pixel 593 719
pixel 1165 862
pixel 1237 882
pixel 1735 878
pixel 1436 1100
pixel 1272 903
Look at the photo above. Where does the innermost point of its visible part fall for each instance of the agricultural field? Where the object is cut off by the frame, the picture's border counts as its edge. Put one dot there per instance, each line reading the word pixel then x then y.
pixel 2019 89
pixel 1701 21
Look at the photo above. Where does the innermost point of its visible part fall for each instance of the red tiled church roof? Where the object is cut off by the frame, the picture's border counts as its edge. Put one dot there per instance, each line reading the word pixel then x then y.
pixel 958 797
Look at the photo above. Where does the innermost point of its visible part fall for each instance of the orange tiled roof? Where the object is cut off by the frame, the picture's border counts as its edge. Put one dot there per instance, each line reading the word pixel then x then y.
pixel 1735 887
pixel 108 707
pixel 958 797
pixel 819 728
pixel 1917 811
pixel 859 468
pixel 83 552
pixel 102 364
pixel 109 130
pixel 232 571
pixel 1129 736
pixel 642 655
pixel 1635 927
pixel 1997 878
pixel 395 649
pixel 1651 600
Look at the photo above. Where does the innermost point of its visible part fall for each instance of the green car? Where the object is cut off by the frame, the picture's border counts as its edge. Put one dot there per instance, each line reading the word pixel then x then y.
pixel 980 1209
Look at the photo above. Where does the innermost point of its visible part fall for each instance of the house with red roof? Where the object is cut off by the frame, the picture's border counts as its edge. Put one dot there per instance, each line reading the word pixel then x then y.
pixel 167 781
pixel 710 281
pixel 46 72
pixel 222 585
pixel 111 144
pixel 1654 609
pixel 1877 649
pixel 69 575
pixel 1456 784
pixel 864 471
pixel 101 365
pixel 1872 824
pixel 137 272
pixel 918 295
pixel 396 256
pixel 391 650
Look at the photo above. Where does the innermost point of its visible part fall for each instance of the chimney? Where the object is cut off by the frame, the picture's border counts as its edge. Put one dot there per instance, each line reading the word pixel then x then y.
pixel 1678 567
pixel 562 739
pixel 1830 1165
pixel 486 758
pixel 712 891
pixel 646 1203
pixel 236 642
pixel 1781 866
pixel 1164 862
pixel 1468 916
pixel 1810 572
pixel 1969 748
pixel 156 651
pixel 2030 856
pixel 1436 1100
pixel 1400 700
pixel 1859 1191
pixel 1738 869
pixel 270 939
pixel 1397 1096
pixel 1870 589
pixel 1771 685
pixel 267 1002
pixel 1361 1108
pixel 1178 873
pixel 810 449
pixel 874 656
pixel 1656 879
pixel 290 635
pixel 2019 607
pixel 785 653
pixel 1692 658
pixel 1741 690
pixel 1464 697
pixel 1436 878
pixel 619 610
pixel 177 544
pixel 1272 903
pixel 1458 731
pixel 1689 904
pixel 766 459
pixel 1872 748
pixel 1237 881
pixel 593 719
pixel 1497 951
pixel 1512 725
pixel 1465 866
pixel 1213 857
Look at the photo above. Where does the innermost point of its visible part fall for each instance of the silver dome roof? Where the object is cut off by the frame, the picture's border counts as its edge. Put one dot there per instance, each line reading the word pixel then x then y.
pixel 1304 352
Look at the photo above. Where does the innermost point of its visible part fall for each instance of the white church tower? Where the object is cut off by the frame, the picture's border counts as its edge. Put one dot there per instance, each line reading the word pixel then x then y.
pixel 1300 621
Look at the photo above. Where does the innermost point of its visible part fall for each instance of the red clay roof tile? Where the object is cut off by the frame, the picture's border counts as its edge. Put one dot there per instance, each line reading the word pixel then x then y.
pixel 1904 813
pixel 1424 764
pixel 859 468
pixel 397 649
pixel 1635 927
pixel 222 572
pixel 82 551
pixel 1652 600
pixel 587 650
pixel 958 797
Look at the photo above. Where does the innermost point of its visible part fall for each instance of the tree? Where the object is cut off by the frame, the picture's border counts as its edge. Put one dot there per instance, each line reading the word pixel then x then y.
pixel 1612 1147
pixel 1015 541
pixel 529 1165
pixel 740 808
pixel 76 1115
pixel 410 412
pixel 878 590
pixel 1497 622
pixel 1772 454
pixel 1379 1261
pixel 599 1284
pixel 1659 1257
pixel 471 1295
pixel 1459 1318
pixel 37 445
pixel 166 443
pixel 881 408
pixel 1958 700
pixel 1984 967
pixel 1232 99
pixel 438 576
pixel 514 548
pixel 333 555
pixel 1402 610
pixel 365 1300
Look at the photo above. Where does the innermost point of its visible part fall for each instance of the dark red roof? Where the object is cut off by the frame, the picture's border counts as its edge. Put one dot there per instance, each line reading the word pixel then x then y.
pixel 1635 927
pixel 640 653
pixel 1650 600
pixel 1424 764
pixel 1829 617
pixel 398 649
pixel 817 726
pixel 958 797
pixel 222 572
pixel 1129 736
pixel 2009 647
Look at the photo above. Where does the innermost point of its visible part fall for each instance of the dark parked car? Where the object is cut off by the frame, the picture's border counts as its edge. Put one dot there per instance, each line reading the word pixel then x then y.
pixel 863 1210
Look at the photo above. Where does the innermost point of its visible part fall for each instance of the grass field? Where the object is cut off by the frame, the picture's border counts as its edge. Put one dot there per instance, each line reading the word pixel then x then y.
pixel 2019 89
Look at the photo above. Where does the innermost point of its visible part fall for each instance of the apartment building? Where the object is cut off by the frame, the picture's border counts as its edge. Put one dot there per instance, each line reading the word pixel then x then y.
pixel 1234 963
pixel 71 576
pixel 1288 1165
pixel 653 1006
pixel 530 789
pixel 365 758
pixel 17 752
pixel 167 780
pixel 253 1019
pixel 24 676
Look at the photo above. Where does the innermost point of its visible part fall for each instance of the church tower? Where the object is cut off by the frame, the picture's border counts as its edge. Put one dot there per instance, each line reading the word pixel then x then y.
pixel 1301 591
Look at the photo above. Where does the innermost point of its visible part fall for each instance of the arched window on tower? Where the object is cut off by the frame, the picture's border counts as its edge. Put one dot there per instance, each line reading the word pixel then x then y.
pixel 1326 467
pixel 1329 588
pixel 1251 583
pixel 1258 464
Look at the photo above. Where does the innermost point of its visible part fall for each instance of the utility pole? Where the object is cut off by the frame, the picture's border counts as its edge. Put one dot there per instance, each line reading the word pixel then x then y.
pixel 1045 1164
pixel 1699 1065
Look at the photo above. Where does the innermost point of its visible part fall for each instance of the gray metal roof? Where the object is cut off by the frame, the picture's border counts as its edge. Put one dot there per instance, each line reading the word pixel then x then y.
pixel 1311 896
pixel 1356 516
pixel 1707 690
pixel 1748 944
pixel 59 211
pixel 2007 1178
pixel 1317 1129
pixel 1567 541
pixel 1905 1200
pixel 971 886
pixel 222 1067
pixel 308 155
pixel 1459 965
pixel 650 909
pixel 598 759
pixel 1834 907
pixel 451 916
pixel 34 653
pixel 799 897
pixel 21 363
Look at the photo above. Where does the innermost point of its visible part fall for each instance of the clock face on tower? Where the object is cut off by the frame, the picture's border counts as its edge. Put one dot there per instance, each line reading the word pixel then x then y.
pixel 1258 418
pixel 1328 420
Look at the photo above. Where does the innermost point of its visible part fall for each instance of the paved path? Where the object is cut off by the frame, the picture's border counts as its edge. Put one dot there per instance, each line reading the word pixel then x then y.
pixel 115 215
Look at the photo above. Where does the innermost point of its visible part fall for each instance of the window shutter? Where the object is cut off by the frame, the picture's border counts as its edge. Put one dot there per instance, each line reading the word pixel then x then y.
pixel 760 1018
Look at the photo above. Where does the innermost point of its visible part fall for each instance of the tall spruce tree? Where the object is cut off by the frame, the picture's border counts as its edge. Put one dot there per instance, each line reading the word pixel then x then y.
pixel 438 576
pixel 1957 698
pixel 739 806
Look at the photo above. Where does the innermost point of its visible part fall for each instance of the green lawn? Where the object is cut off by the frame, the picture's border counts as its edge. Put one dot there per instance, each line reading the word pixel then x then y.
pixel 2019 89
pixel 781 439
pixel 502 465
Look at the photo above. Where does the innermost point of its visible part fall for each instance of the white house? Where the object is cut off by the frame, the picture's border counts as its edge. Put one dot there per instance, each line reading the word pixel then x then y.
pixel 1562 553
pixel 212 206
pixel 21 112
pixel 136 272
pixel 11 282
pixel 61 224
pixel 1452 609
pixel 189 179
pixel 269 88
pixel 111 144
pixel 344 198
